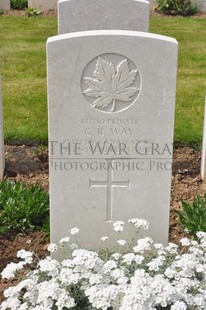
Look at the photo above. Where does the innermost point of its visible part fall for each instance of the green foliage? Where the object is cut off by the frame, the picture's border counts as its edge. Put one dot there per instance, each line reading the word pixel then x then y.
pixel 31 11
pixel 22 208
pixel 1 12
pixel 193 216
pixel 19 4
pixel 177 7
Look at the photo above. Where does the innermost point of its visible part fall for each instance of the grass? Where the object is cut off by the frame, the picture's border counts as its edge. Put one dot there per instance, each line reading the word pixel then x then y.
pixel 191 82
pixel 23 60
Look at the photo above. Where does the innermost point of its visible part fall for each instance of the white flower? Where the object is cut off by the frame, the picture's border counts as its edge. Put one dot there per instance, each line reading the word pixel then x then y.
pixel 200 268
pixel 65 240
pixel 155 263
pixel 186 230
pixel 118 226
pixel 64 301
pixel 74 231
pixel 116 256
pixel 50 266
pixel 172 248
pixel 170 273
pixel 52 247
pixel 84 259
pixel 11 269
pixel 201 235
pixel 104 238
pixel 13 304
pixel 144 278
pixel 158 246
pixel 26 255
pixel 95 279
pixel 143 245
pixel 109 265
pixel 121 242
pixel 68 277
pixel 139 223
pixel 128 258
pixel 11 291
pixel 24 306
pixel 185 241
pixel 117 273
pixel 103 297
pixel 47 290
pixel 68 263
pixel 73 246
pixel 179 305
pixel 139 259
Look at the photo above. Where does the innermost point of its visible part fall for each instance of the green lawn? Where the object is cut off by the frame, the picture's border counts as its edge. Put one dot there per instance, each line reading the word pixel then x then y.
pixel 23 61
pixel 190 32
pixel 23 66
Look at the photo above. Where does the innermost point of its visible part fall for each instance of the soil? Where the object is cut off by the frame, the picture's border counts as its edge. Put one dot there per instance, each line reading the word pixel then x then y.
pixel 29 165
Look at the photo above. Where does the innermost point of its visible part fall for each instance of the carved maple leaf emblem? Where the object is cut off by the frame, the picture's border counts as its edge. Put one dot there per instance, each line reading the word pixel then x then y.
pixel 111 84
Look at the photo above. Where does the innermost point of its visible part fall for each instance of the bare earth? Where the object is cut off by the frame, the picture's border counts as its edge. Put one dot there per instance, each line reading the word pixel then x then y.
pixel 30 165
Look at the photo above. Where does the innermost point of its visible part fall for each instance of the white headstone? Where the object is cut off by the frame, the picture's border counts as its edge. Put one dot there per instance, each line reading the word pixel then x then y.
pixel 111 118
pixel 203 159
pixel 43 5
pixel 5 4
pixel 201 5
pixel 2 162
pixel 83 15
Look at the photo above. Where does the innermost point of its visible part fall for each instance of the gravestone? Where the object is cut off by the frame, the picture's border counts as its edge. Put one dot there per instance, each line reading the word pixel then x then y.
pixel 111 97
pixel 5 4
pixel 201 5
pixel 84 15
pixel 2 163
pixel 203 159
pixel 43 5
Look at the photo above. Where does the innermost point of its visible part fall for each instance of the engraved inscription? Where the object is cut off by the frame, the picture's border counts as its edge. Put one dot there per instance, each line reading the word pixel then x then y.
pixel 109 184
pixel 114 86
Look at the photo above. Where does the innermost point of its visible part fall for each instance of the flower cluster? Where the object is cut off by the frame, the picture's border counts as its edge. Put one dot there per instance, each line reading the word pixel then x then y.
pixel 147 276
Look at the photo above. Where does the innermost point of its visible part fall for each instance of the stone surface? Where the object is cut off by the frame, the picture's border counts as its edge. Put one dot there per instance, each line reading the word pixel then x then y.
pixel 5 4
pixel 111 118
pixel 2 161
pixel 203 158
pixel 201 5
pixel 43 5
pixel 83 15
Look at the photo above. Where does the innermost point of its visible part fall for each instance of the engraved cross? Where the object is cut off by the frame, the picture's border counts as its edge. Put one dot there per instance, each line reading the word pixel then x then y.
pixel 109 184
